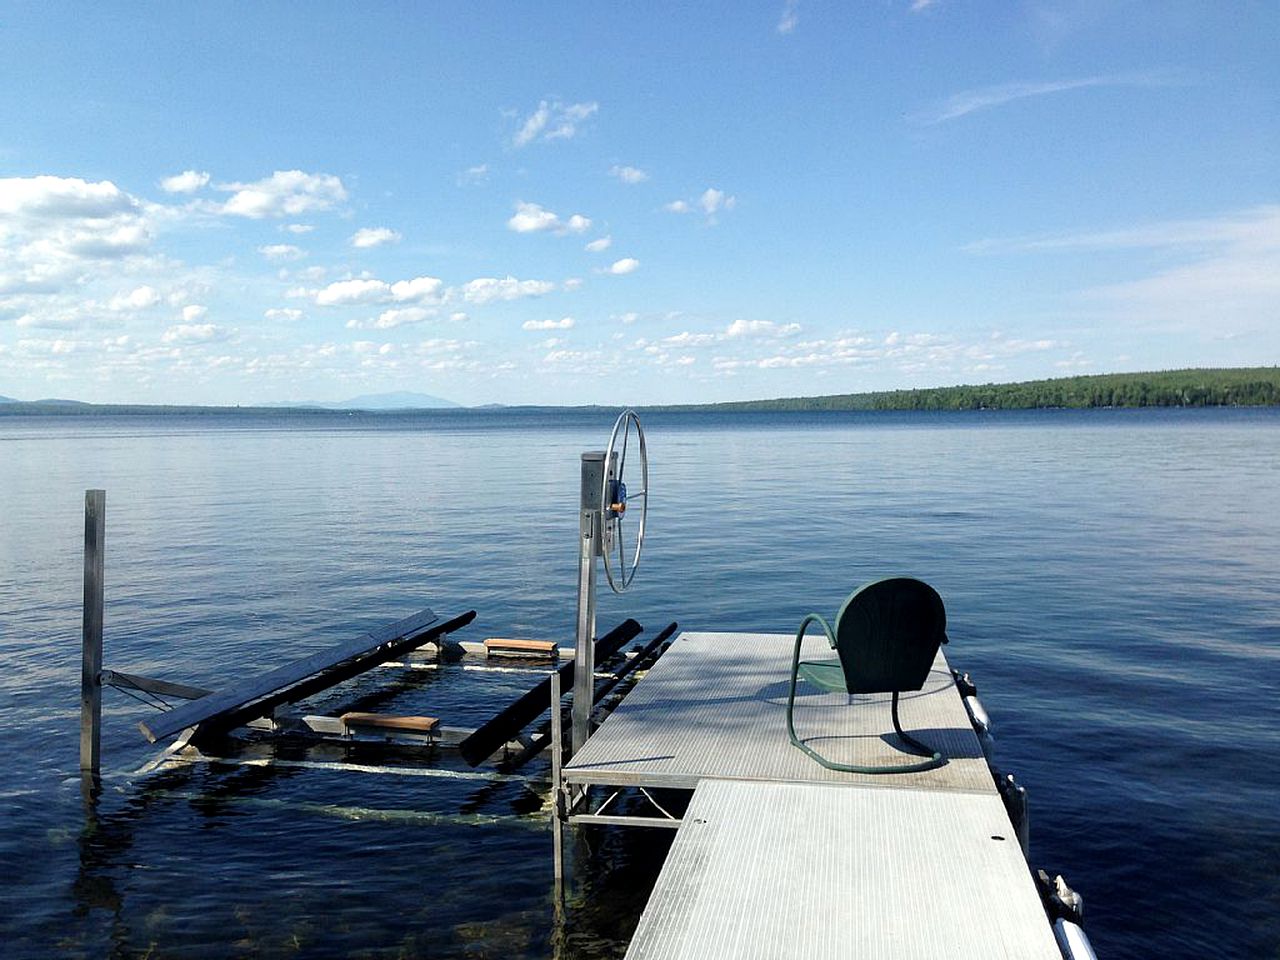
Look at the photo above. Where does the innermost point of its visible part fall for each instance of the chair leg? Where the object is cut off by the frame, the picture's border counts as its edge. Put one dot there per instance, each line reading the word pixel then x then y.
pixel 920 748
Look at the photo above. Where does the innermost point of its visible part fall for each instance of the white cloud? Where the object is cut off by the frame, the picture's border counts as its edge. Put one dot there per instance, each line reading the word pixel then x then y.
pixel 299 228
pixel 756 328
pixel 458 317
pixel 285 193
pixel 140 298
pixel 53 230
pixel 790 17
pixel 553 120
pixel 371 290
pixel 287 314
pixel 628 174
pixel 624 266
pixel 564 323
pixel 474 175
pixel 487 289
pixel 984 98
pixel 280 252
pixel 374 237
pixel 193 312
pixel 533 218
pixel 184 333
pixel 910 353
pixel 627 318
pixel 571 284
pixel 918 6
pixel 418 289
pixel 345 292
pixel 686 338
pixel 189 181
pixel 713 201
pixel 396 317
pixel 62 198
pixel 599 244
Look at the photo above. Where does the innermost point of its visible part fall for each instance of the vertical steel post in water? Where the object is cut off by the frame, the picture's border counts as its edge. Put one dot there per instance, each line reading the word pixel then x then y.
pixel 95 522
pixel 590 543
pixel 557 794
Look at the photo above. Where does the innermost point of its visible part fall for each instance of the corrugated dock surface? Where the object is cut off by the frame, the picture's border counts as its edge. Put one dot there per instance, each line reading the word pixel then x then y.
pixel 715 705
pixel 780 857
pixel 815 871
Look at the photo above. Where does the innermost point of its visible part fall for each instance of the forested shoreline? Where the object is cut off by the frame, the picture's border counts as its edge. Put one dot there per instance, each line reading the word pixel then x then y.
pixel 1227 387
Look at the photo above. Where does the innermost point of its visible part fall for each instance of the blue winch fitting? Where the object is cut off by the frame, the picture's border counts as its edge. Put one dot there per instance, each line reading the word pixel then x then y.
pixel 617 497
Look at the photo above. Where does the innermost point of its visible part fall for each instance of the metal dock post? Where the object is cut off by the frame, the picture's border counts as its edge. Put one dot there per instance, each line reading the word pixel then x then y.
pixel 590 543
pixel 95 522
pixel 557 792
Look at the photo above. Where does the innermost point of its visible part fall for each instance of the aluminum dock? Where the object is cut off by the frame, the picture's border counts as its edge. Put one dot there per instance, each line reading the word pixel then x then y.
pixel 778 856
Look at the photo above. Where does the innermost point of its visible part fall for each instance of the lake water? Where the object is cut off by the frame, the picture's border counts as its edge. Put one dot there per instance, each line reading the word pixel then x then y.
pixel 1111 577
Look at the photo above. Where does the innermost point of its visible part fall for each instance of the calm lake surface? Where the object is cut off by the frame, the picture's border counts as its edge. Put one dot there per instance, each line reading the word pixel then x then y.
pixel 1112 581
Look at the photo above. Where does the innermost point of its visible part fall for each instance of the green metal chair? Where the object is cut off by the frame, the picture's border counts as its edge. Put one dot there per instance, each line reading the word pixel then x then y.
pixel 887 634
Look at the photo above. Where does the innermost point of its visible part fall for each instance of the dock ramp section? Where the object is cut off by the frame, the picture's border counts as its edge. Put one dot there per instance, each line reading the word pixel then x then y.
pixel 815 871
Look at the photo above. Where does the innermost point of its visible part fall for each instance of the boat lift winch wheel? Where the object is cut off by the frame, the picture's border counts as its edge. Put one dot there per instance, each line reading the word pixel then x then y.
pixel 615 501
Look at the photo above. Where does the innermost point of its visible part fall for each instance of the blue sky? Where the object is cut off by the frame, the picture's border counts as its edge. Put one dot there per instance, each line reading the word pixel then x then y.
pixel 594 203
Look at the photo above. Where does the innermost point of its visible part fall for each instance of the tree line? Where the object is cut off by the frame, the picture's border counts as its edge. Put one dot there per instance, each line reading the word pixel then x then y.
pixel 1228 387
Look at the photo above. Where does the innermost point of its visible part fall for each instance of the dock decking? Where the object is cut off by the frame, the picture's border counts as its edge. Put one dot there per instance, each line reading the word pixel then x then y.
pixel 816 871
pixel 715 706
pixel 779 857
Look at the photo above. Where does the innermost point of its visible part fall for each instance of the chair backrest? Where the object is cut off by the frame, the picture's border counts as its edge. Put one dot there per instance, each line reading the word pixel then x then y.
pixel 888 633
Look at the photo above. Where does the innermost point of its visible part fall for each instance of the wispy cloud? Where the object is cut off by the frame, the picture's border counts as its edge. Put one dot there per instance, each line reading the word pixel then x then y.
pixel 1222 273
pixel 628 174
pixel 985 98
pixel 281 252
pixel 564 323
pixel 711 202
pixel 790 17
pixel 1229 283
pixel 554 120
pixel 1257 226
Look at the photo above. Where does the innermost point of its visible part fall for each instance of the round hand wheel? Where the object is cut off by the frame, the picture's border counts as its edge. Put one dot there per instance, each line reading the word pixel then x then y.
pixel 615 501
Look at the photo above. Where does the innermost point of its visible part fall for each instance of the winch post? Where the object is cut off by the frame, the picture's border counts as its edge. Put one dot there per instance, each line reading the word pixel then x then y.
pixel 591 536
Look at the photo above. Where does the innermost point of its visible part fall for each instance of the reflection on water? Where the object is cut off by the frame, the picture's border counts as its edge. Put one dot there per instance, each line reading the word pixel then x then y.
pixel 1109 577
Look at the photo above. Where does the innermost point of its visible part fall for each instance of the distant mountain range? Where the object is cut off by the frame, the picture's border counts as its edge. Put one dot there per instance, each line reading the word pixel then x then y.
pixel 398 400
pixel 49 402
pixel 401 400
